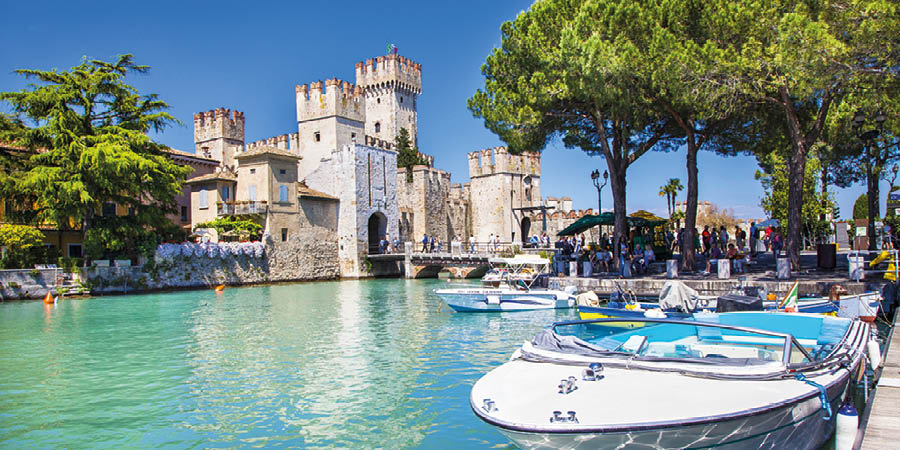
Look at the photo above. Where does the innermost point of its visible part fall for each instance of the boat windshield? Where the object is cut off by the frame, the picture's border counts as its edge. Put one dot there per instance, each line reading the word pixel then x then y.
pixel 682 340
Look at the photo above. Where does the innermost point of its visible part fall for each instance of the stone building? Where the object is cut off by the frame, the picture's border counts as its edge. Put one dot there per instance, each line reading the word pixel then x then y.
pixel 424 204
pixel 499 183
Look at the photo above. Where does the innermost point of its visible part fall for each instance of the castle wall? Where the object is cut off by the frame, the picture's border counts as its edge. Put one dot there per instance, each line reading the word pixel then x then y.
pixel 364 179
pixel 327 120
pixel 424 204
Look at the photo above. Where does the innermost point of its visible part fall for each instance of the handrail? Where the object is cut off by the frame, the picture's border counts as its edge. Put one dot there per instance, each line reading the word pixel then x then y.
pixel 789 338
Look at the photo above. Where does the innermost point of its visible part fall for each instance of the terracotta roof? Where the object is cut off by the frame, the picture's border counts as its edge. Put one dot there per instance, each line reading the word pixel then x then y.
pixel 266 150
pixel 174 152
pixel 217 176
pixel 304 191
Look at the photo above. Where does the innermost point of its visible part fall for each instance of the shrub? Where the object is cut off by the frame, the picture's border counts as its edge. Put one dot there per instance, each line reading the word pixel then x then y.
pixel 20 242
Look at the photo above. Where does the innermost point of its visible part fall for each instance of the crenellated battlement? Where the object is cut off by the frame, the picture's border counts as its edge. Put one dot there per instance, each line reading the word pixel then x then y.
pixel 499 160
pixel 334 97
pixel 390 70
pixel 289 142
pixel 218 123
pixel 378 143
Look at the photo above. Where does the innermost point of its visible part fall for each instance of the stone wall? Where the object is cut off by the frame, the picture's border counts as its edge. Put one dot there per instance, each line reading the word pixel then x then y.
pixel 310 255
pixel 425 202
pixel 32 283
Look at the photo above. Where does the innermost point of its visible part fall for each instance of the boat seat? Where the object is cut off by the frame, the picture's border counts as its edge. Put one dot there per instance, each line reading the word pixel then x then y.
pixel 634 344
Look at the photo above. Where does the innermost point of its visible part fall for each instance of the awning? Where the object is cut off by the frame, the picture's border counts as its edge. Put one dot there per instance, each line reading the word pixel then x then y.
pixel 608 218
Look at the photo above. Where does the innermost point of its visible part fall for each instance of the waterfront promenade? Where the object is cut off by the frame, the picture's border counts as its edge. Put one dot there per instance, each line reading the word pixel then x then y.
pixel 880 429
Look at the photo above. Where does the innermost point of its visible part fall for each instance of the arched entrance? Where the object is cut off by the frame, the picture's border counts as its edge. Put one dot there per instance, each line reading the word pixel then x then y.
pixel 526 228
pixel 377 230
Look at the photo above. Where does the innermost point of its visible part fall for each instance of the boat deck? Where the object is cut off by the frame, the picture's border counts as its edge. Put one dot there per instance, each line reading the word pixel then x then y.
pixel 883 428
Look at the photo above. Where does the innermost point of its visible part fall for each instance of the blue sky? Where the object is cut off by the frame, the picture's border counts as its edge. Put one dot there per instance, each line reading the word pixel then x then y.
pixel 249 56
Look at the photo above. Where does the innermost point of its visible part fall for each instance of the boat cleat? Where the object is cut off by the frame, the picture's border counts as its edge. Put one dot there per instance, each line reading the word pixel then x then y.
pixel 489 405
pixel 567 385
pixel 559 418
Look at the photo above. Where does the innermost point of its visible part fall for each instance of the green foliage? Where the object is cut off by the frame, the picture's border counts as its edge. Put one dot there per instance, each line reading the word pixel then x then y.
pixel 774 179
pixel 84 132
pixel 246 227
pixel 22 243
pixel 407 155
pixel 861 207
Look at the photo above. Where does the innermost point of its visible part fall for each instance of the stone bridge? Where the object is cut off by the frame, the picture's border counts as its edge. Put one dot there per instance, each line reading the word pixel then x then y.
pixel 428 265
pixel 464 265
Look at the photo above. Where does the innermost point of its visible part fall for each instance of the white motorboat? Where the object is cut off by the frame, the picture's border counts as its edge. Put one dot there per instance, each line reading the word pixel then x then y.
pixel 744 380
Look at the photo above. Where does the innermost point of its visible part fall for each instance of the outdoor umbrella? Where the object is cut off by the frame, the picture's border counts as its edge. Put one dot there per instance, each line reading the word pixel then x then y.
pixel 768 223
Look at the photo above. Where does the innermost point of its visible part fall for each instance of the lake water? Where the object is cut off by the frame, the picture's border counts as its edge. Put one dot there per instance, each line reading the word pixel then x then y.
pixel 351 364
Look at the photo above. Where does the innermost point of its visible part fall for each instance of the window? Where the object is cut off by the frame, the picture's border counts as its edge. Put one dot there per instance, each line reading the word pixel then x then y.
pixel 317 136
pixel 226 193
pixel 205 152
pixel 184 214
pixel 253 193
pixel 283 194
pixel 74 250
pixel 378 127
pixel 378 100
pixel 282 171
pixel 204 200
pixel 401 99
pixel 353 137
pixel 283 234
pixel 109 209
pixel 252 171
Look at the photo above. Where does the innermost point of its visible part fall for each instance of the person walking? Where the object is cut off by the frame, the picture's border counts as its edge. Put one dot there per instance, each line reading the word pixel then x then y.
pixel 706 237
pixel 713 238
pixel 425 243
pixel 623 256
pixel 472 244
pixel 777 243
pixel 753 238
pixel 431 244
pixel 723 239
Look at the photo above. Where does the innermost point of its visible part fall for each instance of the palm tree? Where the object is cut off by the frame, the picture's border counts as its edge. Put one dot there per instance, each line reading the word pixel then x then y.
pixel 674 186
pixel 666 190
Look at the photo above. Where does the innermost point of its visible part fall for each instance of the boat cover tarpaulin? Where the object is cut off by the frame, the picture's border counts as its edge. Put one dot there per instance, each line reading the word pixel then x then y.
pixel 677 295
pixel 734 302
pixel 548 340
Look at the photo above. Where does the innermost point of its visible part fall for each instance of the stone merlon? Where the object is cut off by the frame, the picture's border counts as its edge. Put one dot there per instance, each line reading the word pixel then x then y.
pixel 337 98
pixel 390 69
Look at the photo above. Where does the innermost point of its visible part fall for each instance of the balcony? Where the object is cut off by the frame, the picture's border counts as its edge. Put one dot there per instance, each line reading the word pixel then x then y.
pixel 241 208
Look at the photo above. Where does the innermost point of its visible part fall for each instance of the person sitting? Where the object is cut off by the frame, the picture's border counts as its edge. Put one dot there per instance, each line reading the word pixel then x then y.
pixel 736 258
pixel 714 255
pixel 637 259
pixel 649 256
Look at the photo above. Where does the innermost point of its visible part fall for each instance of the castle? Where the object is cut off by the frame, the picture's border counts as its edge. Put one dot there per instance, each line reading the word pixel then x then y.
pixel 336 177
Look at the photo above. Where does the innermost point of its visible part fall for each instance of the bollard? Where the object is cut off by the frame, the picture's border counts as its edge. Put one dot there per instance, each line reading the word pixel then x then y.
pixel 671 268
pixel 587 269
pixel 724 269
pixel 783 268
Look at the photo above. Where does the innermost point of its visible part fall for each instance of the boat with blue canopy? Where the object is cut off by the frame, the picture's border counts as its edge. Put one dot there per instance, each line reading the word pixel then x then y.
pixel 731 380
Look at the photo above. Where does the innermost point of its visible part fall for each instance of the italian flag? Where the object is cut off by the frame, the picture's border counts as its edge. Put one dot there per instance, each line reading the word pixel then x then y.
pixel 790 299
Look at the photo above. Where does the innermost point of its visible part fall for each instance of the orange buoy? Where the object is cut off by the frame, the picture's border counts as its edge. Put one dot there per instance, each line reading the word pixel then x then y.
pixel 48 299
pixel 220 288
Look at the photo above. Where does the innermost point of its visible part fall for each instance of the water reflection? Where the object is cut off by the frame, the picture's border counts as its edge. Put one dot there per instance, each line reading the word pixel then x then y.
pixel 374 363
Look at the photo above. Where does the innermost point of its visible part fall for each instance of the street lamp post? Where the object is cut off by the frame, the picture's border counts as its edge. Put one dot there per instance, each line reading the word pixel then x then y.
pixel 595 177
pixel 867 138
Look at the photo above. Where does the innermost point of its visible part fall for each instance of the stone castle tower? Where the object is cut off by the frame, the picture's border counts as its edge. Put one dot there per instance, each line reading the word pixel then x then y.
pixel 328 119
pixel 219 134
pixel 499 182
pixel 392 85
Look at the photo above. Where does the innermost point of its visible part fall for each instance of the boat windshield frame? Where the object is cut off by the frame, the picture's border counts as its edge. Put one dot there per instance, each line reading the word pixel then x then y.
pixel 789 340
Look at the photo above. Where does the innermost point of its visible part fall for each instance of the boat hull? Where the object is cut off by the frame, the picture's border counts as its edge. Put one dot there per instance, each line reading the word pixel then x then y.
pixel 497 300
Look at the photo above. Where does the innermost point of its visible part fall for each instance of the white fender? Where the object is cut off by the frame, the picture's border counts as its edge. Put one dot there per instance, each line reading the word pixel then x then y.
pixel 847 426
pixel 874 354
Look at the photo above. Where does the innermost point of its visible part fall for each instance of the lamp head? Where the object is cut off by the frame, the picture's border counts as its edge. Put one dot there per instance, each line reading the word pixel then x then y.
pixel 595 174
pixel 605 174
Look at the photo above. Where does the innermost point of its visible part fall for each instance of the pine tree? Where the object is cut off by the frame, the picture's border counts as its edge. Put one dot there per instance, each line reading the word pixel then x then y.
pixel 407 155
pixel 85 138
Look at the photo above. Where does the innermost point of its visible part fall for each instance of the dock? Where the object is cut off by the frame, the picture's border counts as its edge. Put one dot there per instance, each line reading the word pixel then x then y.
pixel 880 429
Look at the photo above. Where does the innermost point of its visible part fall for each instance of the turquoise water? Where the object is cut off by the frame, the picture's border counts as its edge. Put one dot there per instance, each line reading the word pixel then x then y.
pixel 351 364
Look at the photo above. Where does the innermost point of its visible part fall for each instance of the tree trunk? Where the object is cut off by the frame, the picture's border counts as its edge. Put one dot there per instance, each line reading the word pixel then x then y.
pixel 797 170
pixel 690 210
pixel 617 183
